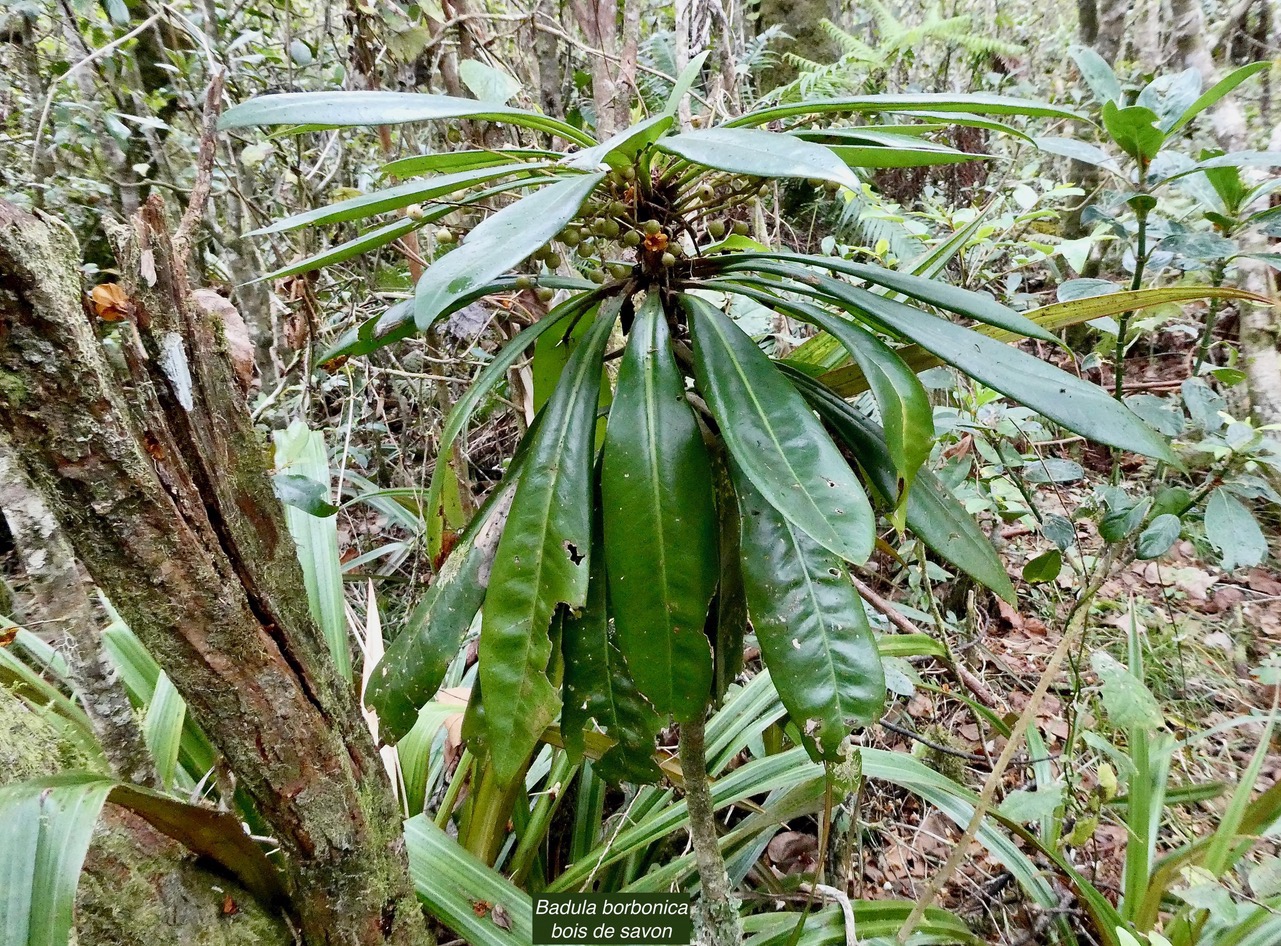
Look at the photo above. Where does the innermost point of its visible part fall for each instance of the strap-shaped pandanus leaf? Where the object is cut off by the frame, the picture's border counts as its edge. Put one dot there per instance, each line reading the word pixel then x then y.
pixel 932 512
pixel 500 243
pixel 758 153
pixel 542 560
pixel 811 627
pixel 659 520
pixel 774 438
pixel 350 109
pixel 600 690
pixel 1079 406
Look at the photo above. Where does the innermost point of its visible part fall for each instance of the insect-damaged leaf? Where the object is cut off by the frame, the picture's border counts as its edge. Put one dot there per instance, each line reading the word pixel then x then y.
pixel 541 560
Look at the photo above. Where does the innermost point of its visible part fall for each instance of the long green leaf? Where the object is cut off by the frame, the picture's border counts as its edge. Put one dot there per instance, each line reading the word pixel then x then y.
pixel 811 627
pixel 454 161
pixel 872 919
pixel 978 103
pixel 452 884
pixel 302 451
pixel 394 198
pixel 966 302
pixel 412 669
pixel 1064 398
pixel 660 533
pixel 162 728
pixel 600 688
pixel 1218 91
pixel 776 441
pixel 932 512
pixel 348 109
pixel 541 560
pixel 500 243
pixel 879 156
pixel 758 153
pixel 620 148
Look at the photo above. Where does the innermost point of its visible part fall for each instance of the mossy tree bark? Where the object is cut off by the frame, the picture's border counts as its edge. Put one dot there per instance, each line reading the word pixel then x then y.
pixel 160 484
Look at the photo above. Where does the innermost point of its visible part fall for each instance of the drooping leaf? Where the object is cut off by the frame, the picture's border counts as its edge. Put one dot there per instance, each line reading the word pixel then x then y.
pixel 162 728
pixel 600 689
pixel 302 492
pixel 500 243
pixel 881 156
pixel 775 440
pixel 759 153
pixel 441 162
pixel 1237 159
pixel 460 414
pixel 1077 405
pixel 1158 537
pixel 348 109
pixel 966 302
pixel 660 532
pixel 684 82
pixel 810 625
pixel 414 665
pixel 541 560
pixel 932 512
pixel 1235 532
pixel 1045 567
pixel 379 236
pixel 1079 150
pixel 488 84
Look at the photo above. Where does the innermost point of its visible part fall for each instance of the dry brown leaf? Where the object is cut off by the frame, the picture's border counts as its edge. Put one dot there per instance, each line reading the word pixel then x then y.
pixel 110 302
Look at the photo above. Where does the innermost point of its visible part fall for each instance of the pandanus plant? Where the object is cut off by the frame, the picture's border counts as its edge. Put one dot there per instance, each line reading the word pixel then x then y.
pixel 648 520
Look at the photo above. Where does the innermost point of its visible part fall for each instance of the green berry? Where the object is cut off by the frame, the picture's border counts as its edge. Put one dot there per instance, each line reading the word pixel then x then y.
pixel 629 173
pixel 414 211
pixel 620 270
pixel 741 228
pixel 586 248
pixel 632 238
pixel 652 227
pixel 716 229
pixel 444 237
pixel 618 209
pixel 668 260
pixel 611 229
pixel 524 282
pixel 453 136
pixel 545 293
pixel 571 236
pixel 552 260
pixel 597 276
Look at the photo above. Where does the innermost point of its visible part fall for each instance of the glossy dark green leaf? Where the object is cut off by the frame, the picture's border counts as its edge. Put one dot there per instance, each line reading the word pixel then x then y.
pixel 302 492
pixel 907 418
pixel 811 627
pixel 600 693
pixel 500 243
pixel 414 664
pixel 881 156
pixel 979 103
pixel 348 109
pixel 394 198
pixel 660 528
pixel 1134 129
pixel 966 302
pixel 1064 398
pixel 728 621
pixel 778 444
pixel 379 236
pixel 932 512
pixel 1044 568
pixel 541 561
pixel 758 153
pixel 1157 538
pixel 1218 91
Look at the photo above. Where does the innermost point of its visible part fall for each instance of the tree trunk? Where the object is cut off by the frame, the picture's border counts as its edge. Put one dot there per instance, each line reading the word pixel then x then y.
pixel 58 603
pixel 161 488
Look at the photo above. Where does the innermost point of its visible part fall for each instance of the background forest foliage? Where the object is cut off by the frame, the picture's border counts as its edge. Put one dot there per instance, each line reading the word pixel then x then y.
pixel 822 457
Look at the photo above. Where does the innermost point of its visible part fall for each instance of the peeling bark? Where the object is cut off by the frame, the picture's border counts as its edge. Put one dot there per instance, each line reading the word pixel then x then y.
pixel 161 487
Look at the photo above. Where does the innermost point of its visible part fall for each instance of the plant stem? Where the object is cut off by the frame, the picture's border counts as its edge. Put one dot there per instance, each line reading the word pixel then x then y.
pixel 1203 347
pixel 1123 325
pixel 716 920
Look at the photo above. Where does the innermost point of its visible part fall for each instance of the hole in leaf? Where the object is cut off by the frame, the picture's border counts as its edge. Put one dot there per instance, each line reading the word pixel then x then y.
pixel 575 556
